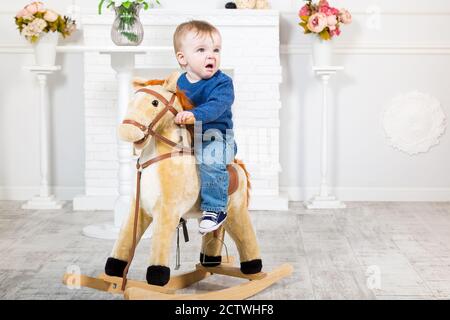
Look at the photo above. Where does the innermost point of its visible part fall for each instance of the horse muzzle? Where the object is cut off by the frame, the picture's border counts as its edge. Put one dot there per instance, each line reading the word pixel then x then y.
pixel 131 133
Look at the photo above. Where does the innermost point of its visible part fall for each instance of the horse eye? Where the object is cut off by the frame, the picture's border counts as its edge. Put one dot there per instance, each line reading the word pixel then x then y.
pixel 155 103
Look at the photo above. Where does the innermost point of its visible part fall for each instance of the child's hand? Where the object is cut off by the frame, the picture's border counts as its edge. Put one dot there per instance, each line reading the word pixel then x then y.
pixel 185 117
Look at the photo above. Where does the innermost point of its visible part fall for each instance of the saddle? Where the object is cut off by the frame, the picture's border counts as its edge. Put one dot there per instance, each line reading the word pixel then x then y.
pixel 233 179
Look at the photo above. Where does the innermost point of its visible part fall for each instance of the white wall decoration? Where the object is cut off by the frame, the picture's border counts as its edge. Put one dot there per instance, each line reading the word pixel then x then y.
pixel 414 122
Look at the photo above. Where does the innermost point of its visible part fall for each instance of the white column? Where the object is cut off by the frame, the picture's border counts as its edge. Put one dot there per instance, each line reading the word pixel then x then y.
pixel 123 62
pixel 325 200
pixel 44 200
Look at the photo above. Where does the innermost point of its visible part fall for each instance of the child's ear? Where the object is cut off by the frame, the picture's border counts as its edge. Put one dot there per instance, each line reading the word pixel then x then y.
pixel 171 82
pixel 180 58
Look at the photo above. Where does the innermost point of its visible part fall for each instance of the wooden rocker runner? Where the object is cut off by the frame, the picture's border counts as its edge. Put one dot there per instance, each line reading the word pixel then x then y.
pixel 140 290
pixel 167 192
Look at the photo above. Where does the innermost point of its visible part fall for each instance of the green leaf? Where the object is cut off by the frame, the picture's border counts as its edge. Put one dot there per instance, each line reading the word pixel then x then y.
pixel 304 18
pixel 132 37
pixel 100 6
pixel 304 25
pixel 325 35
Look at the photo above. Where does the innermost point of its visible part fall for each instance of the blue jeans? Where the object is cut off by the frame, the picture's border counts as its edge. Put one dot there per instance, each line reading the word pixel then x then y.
pixel 212 157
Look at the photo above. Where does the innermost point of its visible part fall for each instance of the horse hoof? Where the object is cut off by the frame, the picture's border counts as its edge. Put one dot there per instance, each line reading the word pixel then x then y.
pixel 210 261
pixel 158 275
pixel 115 267
pixel 251 267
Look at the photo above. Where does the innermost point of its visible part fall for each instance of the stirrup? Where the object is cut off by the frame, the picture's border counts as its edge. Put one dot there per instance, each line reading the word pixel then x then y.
pixel 206 245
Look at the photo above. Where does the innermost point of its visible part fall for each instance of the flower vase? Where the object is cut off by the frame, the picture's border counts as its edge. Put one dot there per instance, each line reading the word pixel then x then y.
pixel 322 52
pixel 127 29
pixel 45 49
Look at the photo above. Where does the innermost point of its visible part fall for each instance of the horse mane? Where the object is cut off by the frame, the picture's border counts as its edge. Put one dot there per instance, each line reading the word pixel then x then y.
pixel 155 82
pixel 183 99
pixel 247 175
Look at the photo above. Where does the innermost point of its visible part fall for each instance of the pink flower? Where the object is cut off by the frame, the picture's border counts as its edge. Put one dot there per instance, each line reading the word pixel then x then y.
pixel 317 22
pixel 332 20
pixel 304 11
pixel 22 13
pixel 323 3
pixel 329 11
pixel 335 32
pixel 345 17
pixel 51 16
pixel 35 7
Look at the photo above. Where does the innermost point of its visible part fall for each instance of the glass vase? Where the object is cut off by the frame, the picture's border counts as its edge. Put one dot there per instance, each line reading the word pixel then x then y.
pixel 127 29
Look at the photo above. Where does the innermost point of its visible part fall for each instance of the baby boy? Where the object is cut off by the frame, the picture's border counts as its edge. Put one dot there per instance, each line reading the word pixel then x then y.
pixel 198 46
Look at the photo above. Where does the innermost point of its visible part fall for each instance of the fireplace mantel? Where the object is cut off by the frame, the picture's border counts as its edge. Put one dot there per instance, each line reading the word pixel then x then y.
pixel 250 55
pixel 171 17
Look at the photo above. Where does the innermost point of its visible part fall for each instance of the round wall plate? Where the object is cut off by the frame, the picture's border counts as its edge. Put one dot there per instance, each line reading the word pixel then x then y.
pixel 414 122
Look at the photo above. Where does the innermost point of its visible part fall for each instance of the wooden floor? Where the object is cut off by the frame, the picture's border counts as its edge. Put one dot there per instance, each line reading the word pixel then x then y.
pixel 367 251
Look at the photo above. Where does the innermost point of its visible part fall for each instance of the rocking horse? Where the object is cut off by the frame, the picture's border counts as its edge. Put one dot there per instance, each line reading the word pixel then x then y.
pixel 167 192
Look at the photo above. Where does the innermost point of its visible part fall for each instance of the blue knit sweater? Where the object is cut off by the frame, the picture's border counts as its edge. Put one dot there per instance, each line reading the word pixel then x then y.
pixel 212 99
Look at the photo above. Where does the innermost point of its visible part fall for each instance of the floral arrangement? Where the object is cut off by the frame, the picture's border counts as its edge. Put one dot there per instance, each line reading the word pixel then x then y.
pixel 34 20
pixel 322 19
pixel 127 14
pixel 125 5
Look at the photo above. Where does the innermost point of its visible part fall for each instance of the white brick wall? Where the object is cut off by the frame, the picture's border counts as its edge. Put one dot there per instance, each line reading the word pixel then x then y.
pixel 251 53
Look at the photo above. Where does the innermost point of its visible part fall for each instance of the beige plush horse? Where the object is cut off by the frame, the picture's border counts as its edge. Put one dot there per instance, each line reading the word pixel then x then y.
pixel 169 187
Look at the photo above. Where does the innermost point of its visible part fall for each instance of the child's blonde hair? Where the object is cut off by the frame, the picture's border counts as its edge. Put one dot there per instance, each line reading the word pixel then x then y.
pixel 201 27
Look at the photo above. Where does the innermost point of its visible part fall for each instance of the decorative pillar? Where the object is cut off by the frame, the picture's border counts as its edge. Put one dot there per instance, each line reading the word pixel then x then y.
pixel 123 62
pixel 44 201
pixel 325 200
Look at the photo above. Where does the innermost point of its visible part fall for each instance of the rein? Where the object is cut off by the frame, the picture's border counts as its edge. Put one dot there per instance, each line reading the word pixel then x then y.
pixel 148 131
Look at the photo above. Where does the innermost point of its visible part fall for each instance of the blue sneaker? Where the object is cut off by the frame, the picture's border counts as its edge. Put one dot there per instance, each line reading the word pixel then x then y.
pixel 211 221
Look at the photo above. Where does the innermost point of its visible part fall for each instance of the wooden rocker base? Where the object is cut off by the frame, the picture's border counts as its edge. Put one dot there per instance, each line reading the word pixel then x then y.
pixel 257 283
pixel 140 290
pixel 114 284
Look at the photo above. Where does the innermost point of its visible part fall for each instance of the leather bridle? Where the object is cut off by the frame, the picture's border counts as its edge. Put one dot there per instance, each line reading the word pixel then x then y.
pixel 149 131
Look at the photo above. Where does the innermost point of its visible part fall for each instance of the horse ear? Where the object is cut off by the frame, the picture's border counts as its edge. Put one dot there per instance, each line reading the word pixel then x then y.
pixel 171 82
pixel 139 83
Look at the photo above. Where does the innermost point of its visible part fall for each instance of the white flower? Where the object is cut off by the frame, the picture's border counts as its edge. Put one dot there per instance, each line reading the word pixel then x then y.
pixel 37 25
pixel 28 32
pixel 71 27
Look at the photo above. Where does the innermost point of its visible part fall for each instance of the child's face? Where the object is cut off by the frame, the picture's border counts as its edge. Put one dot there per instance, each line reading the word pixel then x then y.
pixel 200 54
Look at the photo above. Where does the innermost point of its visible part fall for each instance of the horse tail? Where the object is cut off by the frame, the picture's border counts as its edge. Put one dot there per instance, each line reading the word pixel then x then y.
pixel 241 164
